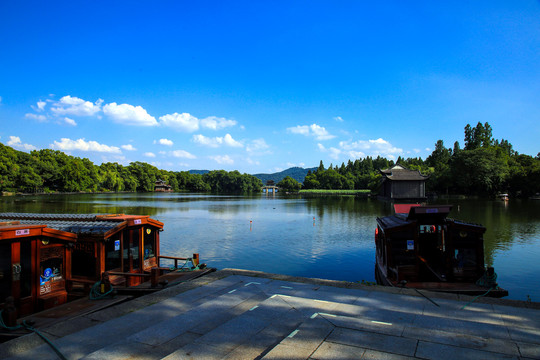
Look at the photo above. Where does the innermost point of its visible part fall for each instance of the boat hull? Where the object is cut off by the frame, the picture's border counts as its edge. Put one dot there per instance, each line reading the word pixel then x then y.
pixel 461 288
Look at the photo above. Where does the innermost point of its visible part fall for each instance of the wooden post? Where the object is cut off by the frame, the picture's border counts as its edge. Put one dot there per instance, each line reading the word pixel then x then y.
pixel 154 276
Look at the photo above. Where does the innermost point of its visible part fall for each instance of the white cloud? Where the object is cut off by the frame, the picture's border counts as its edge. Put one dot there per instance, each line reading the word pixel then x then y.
pixel 115 158
pixel 333 152
pixel 338 118
pixel 300 129
pixel 128 147
pixel 229 141
pixel 319 132
pixel 70 121
pixel 66 144
pixel 216 123
pixel 189 123
pixel 206 141
pixel 40 106
pixel 356 154
pixel 182 154
pixel 40 118
pixel 68 105
pixel 222 159
pixel 15 142
pixel 182 122
pixel 165 142
pixel 259 146
pixel 371 147
pixel 216 141
pixel 129 114
pixel 290 165
pixel 149 154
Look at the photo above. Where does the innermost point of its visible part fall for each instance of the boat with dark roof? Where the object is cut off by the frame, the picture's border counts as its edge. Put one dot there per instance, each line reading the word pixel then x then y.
pixel 49 259
pixel 421 247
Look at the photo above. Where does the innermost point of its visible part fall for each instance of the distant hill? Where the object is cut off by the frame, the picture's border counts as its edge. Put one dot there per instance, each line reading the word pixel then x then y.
pixel 297 173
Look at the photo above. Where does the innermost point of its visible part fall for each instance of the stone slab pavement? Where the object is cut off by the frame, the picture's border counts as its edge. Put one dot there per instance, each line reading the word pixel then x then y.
pixel 241 314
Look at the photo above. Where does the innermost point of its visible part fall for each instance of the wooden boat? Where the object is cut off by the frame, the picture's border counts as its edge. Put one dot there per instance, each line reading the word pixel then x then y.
pixel 49 259
pixel 420 247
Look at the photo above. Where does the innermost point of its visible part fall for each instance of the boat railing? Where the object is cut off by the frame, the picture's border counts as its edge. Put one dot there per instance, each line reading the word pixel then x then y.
pixel 194 259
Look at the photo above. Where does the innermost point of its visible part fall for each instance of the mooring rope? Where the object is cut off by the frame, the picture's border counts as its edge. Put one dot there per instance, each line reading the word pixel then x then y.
pixel 95 293
pixel 25 325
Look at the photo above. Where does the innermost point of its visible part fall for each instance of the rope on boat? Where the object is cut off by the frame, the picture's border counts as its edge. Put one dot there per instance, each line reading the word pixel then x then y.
pixel 95 292
pixel 25 325
pixel 184 268
pixel 488 280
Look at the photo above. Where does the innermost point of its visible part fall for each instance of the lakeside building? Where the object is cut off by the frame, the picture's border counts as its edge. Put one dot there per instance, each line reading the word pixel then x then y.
pixel 401 184
pixel 162 186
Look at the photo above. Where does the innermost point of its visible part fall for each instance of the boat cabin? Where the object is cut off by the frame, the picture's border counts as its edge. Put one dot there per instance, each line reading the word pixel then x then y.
pixel 34 265
pixel 46 258
pixel 425 248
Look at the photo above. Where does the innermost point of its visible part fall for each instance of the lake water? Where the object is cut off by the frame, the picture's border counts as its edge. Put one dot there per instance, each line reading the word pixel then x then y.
pixel 324 237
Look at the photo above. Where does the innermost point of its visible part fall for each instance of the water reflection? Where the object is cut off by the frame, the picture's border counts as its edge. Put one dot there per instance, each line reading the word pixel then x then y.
pixel 325 237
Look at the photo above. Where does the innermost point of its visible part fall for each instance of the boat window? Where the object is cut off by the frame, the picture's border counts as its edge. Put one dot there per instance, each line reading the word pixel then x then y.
pixel 464 258
pixel 135 249
pixel 131 250
pixel 427 229
pixel 401 254
pixel 112 254
pixel 149 243
pixel 83 260
pixel 51 269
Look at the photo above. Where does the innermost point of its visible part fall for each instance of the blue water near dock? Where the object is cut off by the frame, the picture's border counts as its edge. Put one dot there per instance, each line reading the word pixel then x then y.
pixel 323 237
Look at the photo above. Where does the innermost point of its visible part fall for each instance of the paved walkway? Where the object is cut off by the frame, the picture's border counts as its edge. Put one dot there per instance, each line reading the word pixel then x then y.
pixel 236 314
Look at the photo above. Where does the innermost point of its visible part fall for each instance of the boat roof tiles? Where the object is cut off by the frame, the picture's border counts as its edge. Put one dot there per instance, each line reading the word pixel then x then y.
pixel 36 216
pixel 76 227
pixel 81 224
pixel 399 172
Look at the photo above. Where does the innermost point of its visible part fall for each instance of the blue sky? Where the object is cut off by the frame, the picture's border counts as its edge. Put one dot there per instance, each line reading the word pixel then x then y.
pixel 262 86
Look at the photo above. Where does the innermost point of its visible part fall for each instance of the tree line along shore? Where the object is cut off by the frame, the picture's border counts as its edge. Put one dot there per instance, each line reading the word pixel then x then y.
pixel 483 167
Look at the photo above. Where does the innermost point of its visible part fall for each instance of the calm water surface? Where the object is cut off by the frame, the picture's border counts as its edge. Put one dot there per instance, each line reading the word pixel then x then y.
pixel 325 237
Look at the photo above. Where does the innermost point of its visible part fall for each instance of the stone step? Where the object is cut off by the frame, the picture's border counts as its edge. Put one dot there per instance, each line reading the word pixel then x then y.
pixel 253 334
pixel 115 323
pixel 165 337
pixel 243 317
pixel 346 333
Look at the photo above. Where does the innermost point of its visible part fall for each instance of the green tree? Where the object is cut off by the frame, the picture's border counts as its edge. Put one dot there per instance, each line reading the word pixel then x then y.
pixel 289 184
pixel 480 171
pixel 145 174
